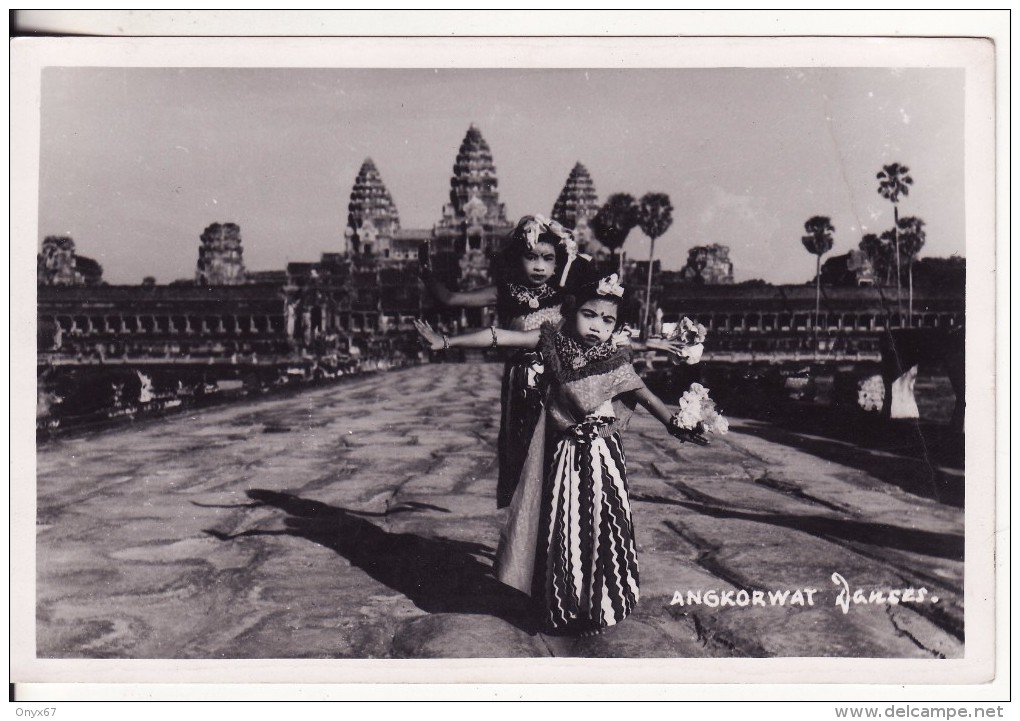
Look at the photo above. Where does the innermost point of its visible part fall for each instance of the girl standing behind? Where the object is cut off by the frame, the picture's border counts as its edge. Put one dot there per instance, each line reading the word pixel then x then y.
pixel 569 537
pixel 531 272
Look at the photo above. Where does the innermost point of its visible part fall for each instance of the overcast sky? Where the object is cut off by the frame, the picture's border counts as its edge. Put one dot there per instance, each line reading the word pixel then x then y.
pixel 136 162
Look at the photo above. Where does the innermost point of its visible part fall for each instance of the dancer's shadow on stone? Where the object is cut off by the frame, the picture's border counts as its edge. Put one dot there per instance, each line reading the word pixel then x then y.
pixel 438 575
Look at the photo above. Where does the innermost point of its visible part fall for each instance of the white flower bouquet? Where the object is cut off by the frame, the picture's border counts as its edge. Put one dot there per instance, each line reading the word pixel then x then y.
pixel 697 416
pixel 686 340
pixel 871 393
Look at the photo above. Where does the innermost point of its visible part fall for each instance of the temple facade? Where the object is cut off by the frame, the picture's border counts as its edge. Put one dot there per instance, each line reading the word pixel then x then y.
pixel 472 225
pixel 350 297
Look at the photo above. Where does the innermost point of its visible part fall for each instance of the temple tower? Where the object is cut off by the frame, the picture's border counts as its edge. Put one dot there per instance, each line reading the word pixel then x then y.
pixel 708 265
pixel 55 264
pixel 474 222
pixel 219 256
pixel 58 264
pixel 372 218
pixel 577 205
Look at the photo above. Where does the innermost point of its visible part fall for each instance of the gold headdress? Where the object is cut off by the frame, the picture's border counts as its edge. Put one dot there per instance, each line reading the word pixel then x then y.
pixel 535 225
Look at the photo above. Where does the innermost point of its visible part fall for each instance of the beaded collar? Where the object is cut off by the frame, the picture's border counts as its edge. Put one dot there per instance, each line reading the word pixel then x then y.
pixel 561 354
pixel 574 357
pixel 530 297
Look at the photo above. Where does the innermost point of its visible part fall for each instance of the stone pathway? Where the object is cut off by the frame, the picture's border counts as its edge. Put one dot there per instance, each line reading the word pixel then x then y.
pixel 358 521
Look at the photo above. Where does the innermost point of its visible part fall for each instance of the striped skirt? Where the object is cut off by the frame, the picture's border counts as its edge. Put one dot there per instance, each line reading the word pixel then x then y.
pixel 590 569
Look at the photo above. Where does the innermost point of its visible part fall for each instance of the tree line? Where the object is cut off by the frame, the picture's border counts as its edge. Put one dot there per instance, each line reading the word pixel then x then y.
pixel 886 252
pixel 619 215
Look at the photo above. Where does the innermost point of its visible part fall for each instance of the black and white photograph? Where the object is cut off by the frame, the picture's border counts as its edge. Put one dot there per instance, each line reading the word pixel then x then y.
pixel 482 354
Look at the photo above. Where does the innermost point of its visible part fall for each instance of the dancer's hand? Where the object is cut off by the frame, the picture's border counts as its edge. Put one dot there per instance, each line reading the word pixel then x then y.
pixel 678 352
pixel 687 436
pixel 623 336
pixel 434 340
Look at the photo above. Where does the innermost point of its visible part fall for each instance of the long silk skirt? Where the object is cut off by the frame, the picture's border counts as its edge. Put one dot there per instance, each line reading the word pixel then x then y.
pixel 520 409
pixel 587 570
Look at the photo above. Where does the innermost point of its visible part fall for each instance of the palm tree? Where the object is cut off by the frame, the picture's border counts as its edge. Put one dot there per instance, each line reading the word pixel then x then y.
pixel 818 241
pixel 614 221
pixel 893 182
pixel 912 236
pixel 655 215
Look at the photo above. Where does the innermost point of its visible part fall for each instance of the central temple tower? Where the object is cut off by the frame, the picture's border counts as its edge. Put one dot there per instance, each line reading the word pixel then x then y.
pixel 474 222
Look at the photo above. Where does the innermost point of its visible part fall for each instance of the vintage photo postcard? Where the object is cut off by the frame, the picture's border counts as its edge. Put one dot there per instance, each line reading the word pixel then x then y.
pixel 504 360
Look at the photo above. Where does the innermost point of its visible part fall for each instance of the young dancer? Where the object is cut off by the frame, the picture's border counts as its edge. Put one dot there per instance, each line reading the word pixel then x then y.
pixel 538 266
pixel 569 538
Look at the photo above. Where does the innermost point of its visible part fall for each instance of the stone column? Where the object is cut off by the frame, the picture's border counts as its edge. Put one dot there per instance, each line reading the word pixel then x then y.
pixel 306 321
pixel 291 319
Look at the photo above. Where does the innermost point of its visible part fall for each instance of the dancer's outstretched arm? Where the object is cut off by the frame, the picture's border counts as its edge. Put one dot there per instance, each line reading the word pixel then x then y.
pixel 657 408
pixel 478 339
pixel 478 298
pixel 681 353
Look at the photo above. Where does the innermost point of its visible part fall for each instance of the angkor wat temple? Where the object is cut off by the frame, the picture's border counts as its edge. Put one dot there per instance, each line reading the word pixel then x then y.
pixel 354 306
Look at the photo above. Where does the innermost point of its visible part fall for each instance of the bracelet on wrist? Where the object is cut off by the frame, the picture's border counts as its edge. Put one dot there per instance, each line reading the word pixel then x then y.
pixel 446 342
pixel 495 341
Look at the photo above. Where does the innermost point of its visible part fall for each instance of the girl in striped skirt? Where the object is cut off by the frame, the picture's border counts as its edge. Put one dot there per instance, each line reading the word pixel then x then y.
pixel 536 269
pixel 569 536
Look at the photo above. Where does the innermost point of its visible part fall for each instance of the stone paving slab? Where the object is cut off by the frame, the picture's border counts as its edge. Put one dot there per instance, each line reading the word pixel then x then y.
pixel 359 521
